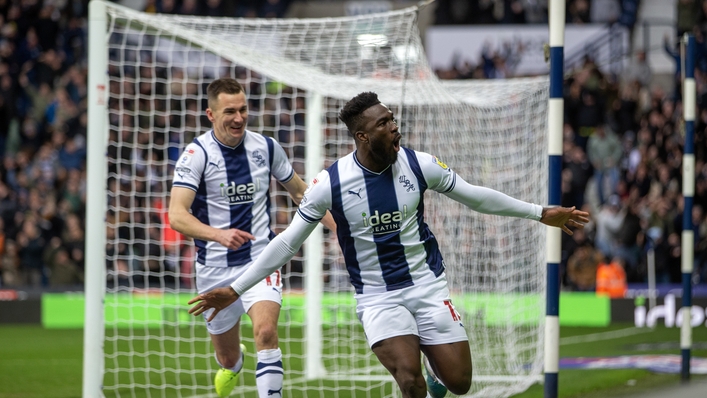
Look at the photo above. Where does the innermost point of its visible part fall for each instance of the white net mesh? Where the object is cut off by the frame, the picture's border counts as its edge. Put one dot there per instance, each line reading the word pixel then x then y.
pixel 492 133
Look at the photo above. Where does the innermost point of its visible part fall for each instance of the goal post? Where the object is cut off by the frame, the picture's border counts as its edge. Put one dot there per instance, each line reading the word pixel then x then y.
pixel 147 80
pixel 93 364
pixel 314 367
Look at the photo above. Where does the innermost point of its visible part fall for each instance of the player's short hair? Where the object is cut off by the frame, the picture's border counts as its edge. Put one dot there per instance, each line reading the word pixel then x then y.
pixel 350 114
pixel 225 85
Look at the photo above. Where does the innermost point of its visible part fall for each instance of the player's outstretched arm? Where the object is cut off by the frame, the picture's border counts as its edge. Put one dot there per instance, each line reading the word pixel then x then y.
pixel 489 201
pixel 279 251
pixel 181 220
pixel 564 217
pixel 296 188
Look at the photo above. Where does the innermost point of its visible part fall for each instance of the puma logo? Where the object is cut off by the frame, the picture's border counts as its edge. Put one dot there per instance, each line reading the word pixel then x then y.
pixel 273 392
pixel 357 193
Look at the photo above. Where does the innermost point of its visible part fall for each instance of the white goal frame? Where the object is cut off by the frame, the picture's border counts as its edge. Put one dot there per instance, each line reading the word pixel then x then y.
pixel 95 277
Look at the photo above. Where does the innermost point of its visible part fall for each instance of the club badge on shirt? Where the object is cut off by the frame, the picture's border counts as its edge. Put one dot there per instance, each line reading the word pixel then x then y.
pixel 441 163
pixel 186 157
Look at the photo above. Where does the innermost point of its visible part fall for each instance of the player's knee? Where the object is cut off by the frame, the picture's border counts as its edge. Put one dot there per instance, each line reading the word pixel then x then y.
pixel 266 336
pixel 412 385
pixel 459 386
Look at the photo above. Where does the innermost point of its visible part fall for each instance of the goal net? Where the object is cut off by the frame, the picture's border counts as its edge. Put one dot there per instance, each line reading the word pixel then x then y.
pixel 297 74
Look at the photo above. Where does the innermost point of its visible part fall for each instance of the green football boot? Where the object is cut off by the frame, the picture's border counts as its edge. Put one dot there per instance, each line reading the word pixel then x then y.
pixel 434 386
pixel 226 379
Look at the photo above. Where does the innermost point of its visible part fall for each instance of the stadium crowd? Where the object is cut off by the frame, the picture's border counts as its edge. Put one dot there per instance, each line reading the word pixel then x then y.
pixel 622 153
pixel 623 142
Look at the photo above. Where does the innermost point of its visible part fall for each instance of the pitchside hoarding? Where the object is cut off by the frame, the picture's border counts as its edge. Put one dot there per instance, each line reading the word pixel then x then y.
pixel 667 311
pixel 66 310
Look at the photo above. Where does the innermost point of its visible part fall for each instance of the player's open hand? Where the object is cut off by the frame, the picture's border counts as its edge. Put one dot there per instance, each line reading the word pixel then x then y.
pixel 234 238
pixel 564 217
pixel 217 299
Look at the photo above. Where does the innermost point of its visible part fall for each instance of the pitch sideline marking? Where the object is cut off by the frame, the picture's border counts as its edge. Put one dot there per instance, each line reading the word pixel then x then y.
pixel 586 338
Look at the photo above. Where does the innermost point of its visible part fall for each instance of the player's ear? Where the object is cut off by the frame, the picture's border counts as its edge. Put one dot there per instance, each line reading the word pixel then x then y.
pixel 210 115
pixel 361 136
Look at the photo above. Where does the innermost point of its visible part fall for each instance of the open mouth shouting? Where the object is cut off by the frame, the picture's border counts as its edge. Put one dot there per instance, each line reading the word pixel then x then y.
pixel 396 142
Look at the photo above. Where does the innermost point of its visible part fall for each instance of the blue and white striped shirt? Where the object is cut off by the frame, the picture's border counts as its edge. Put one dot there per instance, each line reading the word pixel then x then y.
pixel 232 186
pixel 380 218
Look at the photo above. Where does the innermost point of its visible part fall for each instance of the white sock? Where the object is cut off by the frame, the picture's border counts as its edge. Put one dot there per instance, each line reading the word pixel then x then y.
pixel 236 368
pixel 428 395
pixel 269 373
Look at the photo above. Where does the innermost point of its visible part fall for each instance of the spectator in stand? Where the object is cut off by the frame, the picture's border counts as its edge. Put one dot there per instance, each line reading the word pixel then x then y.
pixel 62 270
pixel 167 7
pixel 189 7
pixel 637 70
pixel 590 114
pixel 73 238
pixel 513 12
pixel 665 186
pixel 29 49
pixel 604 11
pixel 71 155
pixel 672 271
pixel 662 216
pixel 624 111
pixel 247 9
pixel 570 245
pixel 535 11
pixel 611 279
pixel 31 245
pixel 581 171
pixel 604 151
pixel 41 98
pixel 217 8
pixel 672 50
pixel 150 7
pixel 73 39
pixel 688 12
pixel 630 236
pixel 578 11
pixel 10 266
pixel 608 222
pixel 582 268
pixel 273 8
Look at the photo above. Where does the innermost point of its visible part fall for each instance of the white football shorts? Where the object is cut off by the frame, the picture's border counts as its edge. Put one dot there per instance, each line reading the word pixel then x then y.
pixel 209 278
pixel 422 310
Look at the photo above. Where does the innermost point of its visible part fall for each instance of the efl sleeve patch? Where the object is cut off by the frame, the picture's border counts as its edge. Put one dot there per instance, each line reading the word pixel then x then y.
pixel 441 163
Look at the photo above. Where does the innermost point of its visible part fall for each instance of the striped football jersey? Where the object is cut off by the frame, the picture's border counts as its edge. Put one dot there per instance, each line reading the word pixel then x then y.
pixel 232 186
pixel 380 218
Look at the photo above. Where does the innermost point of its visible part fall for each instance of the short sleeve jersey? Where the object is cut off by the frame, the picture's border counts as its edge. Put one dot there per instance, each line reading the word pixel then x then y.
pixel 380 218
pixel 232 186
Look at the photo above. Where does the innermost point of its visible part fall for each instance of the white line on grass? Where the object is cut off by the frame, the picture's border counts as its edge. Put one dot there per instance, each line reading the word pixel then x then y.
pixel 614 334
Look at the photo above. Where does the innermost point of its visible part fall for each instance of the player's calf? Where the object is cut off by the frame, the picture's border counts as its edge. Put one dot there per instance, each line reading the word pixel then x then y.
pixel 227 378
pixel 435 387
pixel 269 373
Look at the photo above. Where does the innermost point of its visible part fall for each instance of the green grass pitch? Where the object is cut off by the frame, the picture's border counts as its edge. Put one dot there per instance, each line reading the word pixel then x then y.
pixel 47 363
